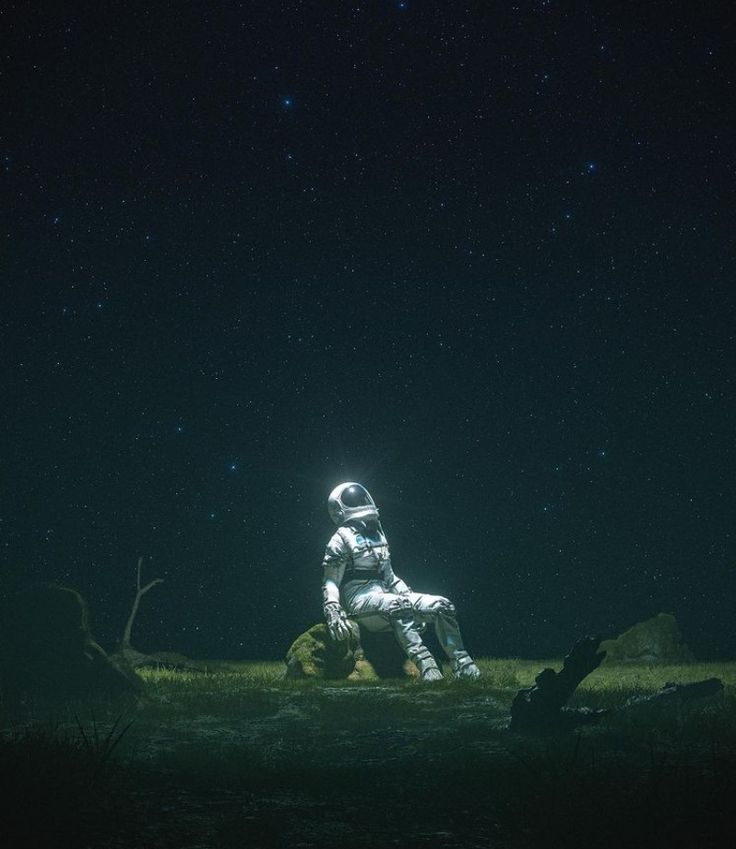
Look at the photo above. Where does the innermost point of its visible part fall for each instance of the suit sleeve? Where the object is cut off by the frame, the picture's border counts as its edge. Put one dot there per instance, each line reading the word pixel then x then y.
pixel 333 568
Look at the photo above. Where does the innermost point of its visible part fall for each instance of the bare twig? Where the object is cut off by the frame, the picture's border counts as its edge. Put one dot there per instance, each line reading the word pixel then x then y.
pixel 140 592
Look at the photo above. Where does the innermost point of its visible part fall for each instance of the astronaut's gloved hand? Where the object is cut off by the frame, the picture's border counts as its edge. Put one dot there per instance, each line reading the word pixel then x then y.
pixel 337 621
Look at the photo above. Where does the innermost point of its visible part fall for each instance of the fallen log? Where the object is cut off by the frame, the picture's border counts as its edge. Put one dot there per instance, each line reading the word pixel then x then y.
pixel 672 692
pixel 543 707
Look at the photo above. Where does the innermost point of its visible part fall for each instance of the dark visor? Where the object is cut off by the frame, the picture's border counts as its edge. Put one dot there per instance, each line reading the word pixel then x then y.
pixel 354 496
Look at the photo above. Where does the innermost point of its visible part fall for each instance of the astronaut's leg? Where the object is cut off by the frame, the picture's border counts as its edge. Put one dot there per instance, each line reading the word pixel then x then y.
pixel 398 611
pixel 440 612
pixel 402 621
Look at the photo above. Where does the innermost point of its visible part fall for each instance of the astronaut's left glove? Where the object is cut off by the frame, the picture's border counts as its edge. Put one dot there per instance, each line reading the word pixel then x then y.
pixel 337 621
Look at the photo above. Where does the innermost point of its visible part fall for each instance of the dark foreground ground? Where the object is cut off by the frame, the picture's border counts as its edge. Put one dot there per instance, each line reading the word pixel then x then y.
pixel 241 758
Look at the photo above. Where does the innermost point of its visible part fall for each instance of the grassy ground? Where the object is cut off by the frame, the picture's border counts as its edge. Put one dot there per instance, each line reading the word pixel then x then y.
pixel 239 757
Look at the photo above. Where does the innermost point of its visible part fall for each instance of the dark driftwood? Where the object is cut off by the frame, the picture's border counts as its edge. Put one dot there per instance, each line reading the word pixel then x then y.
pixel 542 707
pixel 672 692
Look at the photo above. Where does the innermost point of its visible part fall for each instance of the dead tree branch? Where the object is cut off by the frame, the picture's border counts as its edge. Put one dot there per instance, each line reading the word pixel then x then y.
pixel 140 592
pixel 137 659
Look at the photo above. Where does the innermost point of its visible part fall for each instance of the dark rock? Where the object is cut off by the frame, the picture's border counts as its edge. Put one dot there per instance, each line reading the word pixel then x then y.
pixel 47 649
pixel 656 640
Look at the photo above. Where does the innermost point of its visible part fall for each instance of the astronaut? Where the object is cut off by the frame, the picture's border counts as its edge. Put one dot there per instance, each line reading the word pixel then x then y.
pixel 359 583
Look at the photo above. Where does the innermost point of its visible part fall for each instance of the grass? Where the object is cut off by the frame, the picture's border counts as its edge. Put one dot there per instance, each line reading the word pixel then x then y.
pixel 240 756
pixel 60 787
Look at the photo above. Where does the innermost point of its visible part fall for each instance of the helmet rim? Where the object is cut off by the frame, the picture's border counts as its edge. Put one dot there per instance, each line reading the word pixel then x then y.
pixel 340 513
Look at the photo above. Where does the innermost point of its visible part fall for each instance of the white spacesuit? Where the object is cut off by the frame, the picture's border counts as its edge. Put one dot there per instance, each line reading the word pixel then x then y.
pixel 359 583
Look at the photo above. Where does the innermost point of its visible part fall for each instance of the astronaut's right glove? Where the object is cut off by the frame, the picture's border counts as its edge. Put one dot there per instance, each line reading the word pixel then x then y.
pixel 337 621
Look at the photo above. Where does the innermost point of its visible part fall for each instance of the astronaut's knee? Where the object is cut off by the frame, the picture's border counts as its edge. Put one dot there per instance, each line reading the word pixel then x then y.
pixel 444 605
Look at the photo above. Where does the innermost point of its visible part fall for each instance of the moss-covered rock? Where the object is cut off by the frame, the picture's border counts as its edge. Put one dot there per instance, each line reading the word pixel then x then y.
pixel 365 656
pixel 656 640
pixel 314 654
pixel 47 648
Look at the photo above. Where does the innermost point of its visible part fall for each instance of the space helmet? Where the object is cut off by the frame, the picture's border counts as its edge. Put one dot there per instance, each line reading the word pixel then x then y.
pixel 351 501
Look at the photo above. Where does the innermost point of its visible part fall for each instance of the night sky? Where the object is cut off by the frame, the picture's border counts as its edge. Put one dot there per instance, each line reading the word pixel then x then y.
pixel 478 256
